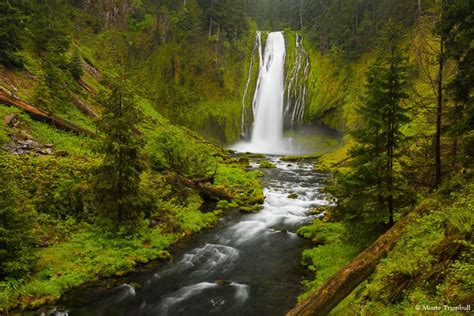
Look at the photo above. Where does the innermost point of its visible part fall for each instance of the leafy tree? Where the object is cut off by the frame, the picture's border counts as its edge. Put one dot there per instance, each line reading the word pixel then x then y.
pixel 11 32
pixel 16 228
pixel 117 179
pixel 375 183
pixel 75 65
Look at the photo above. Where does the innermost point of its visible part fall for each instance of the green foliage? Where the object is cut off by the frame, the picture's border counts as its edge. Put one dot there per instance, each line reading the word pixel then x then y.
pixel 16 227
pixel 75 65
pixel 50 94
pixel 456 27
pixel 332 252
pixel 375 184
pixel 11 32
pixel 53 185
pixel 431 264
pixel 50 31
pixel 117 179
pixel 87 254
pixel 172 150
pixel 244 185
pixel 189 22
pixel 227 17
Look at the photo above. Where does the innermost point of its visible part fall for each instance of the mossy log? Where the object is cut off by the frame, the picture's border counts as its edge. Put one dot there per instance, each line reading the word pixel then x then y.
pixel 205 188
pixel 329 294
pixel 44 116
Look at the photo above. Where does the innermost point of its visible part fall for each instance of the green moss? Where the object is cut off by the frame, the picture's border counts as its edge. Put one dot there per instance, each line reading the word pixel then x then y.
pixel 332 252
pixel 244 185
pixel 265 164
pixel 431 264
pixel 87 255
pixel 301 157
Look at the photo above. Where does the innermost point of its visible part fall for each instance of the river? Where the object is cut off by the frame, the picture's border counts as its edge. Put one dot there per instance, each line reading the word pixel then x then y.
pixel 249 264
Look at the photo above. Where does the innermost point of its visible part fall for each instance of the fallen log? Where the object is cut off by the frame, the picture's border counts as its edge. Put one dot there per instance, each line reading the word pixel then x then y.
pixel 334 290
pixel 205 188
pixel 86 87
pixel 44 116
pixel 83 107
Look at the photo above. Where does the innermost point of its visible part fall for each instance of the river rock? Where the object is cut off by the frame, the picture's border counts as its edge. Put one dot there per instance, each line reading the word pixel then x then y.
pixel 222 282
pixel 292 195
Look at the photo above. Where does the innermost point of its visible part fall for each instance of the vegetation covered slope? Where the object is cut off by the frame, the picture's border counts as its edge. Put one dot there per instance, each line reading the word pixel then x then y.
pixel 421 153
pixel 75 207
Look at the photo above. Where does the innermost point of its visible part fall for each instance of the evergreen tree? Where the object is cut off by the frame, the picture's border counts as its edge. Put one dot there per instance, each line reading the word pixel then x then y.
pixel 457 27
pixel 117 179
pixel 11 33
pixel 75 65
pixel 50 31
pixel 371 192
pixel 50 93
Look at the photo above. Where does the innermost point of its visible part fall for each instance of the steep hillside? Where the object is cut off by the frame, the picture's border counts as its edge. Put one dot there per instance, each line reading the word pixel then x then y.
pixel 54 99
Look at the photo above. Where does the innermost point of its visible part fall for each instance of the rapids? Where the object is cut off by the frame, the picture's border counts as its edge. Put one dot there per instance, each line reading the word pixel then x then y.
pixel 248 265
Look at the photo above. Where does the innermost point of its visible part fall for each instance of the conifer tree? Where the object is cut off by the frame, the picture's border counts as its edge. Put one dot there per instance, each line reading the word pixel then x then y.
pixel 457 27
pixel 371 191
pixel 11 33
pixel 117 179
pixel 75 65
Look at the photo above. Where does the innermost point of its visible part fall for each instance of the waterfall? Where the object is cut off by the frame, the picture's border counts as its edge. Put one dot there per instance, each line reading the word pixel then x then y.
pixel 257 45
pixel 267 106
pixel 275 105
pixel 296 89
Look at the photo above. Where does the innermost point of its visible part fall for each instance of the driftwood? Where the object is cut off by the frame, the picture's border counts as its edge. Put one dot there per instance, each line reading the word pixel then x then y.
pixel 329 294
pixel 205 188
pixel 44 116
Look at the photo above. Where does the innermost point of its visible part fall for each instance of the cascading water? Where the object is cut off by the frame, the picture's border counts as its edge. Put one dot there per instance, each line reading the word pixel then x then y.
pixel 267 132
pixel 296 89
pixel 257 45
pixel 276 104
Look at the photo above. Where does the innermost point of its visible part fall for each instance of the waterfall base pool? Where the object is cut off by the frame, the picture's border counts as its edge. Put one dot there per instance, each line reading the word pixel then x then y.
pixel 248 265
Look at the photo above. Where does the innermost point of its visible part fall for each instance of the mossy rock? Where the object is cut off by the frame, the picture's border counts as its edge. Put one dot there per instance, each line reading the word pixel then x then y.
pixel 318 210
pixel 222 204
pixel 244 161
pixel 301 157
pixel 266 164
pixel 231 161
pixel 251 155
pixel 292 195
pixel 251 209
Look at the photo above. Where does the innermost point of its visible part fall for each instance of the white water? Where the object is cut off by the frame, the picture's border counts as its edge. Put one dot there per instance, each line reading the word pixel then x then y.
pixel 296 89
pixel 267 132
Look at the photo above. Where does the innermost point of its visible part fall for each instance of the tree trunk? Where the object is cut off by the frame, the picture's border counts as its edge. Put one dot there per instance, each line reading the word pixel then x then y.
pixel 44 116
pixel 439 110
pixel 334 290
pixel 204 187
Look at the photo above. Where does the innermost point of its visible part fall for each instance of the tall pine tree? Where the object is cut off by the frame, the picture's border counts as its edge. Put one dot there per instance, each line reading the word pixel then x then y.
pixel 117 179
pixel 371 192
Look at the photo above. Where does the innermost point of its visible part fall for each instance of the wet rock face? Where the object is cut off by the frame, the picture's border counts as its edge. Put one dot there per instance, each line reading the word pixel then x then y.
pixel 20 146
